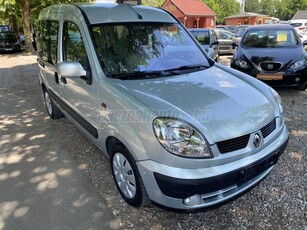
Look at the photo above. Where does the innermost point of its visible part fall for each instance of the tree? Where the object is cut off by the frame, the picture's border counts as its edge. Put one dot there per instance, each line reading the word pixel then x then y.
pixel 223 8
pixel 285 9
pixel 23 12
pixel 252 6
pixel 154 3
pixel 267 7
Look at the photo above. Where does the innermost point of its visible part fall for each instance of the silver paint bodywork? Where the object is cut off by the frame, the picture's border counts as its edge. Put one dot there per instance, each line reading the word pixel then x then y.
pixel 199 98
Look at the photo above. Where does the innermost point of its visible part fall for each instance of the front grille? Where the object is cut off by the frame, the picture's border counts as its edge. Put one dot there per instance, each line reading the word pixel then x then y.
pixel 233 144
pixel 268 129
pixel 271 66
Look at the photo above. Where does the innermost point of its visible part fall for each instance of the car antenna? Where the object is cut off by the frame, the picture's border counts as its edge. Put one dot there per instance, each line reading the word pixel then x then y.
pixel 139 16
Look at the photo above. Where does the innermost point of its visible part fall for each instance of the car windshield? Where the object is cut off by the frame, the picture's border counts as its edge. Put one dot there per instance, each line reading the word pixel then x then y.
pixel 240 32
pixel 270 38
pixel 145 49
pixel 7 35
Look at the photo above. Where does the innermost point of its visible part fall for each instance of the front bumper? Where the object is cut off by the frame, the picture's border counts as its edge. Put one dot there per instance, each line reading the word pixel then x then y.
pixel 169 186
pixel 290 78
pixel 10 48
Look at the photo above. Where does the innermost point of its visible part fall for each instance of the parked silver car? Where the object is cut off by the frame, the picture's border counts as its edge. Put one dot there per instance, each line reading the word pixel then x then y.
pixel 225 39
pixel 180 129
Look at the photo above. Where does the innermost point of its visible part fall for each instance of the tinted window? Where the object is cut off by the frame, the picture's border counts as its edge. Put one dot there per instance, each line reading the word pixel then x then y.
pixel 132 48
pixel 240 33
pixel 4 28
pixel 203 37
pixel 270 38
pixel 296 24
pixel 73 45
pixel 8 36
pixel 224 35
pixel 48 40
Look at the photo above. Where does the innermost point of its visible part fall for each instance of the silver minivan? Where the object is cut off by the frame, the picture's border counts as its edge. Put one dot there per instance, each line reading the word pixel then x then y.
pixel 180 129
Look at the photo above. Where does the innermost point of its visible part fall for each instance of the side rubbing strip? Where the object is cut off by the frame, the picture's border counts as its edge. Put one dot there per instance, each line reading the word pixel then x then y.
pixel 84 123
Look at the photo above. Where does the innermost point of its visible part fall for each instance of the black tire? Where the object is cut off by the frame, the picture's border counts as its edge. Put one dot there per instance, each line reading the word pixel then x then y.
pixel 217 59
pixel 52 109
pixel 302 87
pixel 132 190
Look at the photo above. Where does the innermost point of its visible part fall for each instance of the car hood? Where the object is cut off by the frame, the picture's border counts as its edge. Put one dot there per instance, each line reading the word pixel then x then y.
pixel 217 103
pixel 283 55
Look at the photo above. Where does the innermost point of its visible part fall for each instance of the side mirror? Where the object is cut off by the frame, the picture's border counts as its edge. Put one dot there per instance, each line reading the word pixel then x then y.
pixel 210 52
pixel 73 69
pixel 234 45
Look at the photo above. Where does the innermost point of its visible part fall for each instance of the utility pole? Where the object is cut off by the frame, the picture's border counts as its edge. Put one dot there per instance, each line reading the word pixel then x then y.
pixel 242 6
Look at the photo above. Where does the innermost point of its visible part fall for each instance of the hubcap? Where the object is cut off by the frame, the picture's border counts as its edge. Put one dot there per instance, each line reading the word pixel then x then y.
pixel 48 103
pixel 124 175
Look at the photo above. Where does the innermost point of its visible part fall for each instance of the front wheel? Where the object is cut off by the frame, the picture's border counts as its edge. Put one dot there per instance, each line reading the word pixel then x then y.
pixel 302 87
pixel 127 178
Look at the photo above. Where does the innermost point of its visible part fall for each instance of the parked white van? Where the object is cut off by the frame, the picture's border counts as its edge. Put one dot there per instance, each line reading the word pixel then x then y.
pixel 299 24
pixel 180 130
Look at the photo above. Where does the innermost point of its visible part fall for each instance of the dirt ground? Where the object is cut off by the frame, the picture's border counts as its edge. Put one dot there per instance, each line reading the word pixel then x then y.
pixel 279 202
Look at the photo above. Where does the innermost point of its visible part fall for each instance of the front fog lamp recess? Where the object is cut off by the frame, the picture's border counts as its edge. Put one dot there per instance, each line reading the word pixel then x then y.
pixel 241 63
pixel 193 200
pixel 180 138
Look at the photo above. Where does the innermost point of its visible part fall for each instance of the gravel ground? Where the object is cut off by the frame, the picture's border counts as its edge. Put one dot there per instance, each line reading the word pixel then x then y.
pixel 279 202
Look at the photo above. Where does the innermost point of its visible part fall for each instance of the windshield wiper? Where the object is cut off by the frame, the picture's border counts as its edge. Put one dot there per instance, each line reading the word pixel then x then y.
pixel 140 74
pixel 158 73
pixel 187 67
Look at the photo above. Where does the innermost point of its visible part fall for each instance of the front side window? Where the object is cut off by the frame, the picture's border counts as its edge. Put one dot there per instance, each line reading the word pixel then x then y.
pixel 270 38
pixel 73 45
pixel 125 49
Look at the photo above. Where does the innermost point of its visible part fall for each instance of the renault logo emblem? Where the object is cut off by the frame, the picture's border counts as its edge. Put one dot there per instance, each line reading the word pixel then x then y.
pixel 257 140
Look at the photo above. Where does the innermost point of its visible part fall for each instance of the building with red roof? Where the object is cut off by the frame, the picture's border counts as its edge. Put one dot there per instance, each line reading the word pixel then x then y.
pixel 192 13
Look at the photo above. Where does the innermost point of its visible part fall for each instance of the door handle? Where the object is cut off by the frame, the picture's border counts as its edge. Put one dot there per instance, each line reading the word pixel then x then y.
pixel 56 78
pixel 63 79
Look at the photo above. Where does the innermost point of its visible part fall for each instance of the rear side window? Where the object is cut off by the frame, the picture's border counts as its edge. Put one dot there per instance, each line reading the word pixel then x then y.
pixel 202 37
pixel 48 40
pixel 73 45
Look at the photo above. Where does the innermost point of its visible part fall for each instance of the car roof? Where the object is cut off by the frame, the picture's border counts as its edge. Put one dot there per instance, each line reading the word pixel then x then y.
pixel 97 13
pixel 269 27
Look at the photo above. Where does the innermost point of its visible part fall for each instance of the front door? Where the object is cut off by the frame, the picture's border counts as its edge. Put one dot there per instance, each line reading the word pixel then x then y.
pixel 80 96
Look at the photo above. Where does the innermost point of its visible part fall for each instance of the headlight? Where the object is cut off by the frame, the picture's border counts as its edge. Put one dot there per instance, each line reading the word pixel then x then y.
pixel 242 64
pixel 277 99
pixel 298 64
pixel 180 138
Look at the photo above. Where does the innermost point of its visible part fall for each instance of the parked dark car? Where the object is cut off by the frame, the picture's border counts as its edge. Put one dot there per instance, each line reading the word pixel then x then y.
pixel 273 54
pixel 9 42
pixel 239 32
pixel 208 39
pixel 225 41
pixel 225 27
